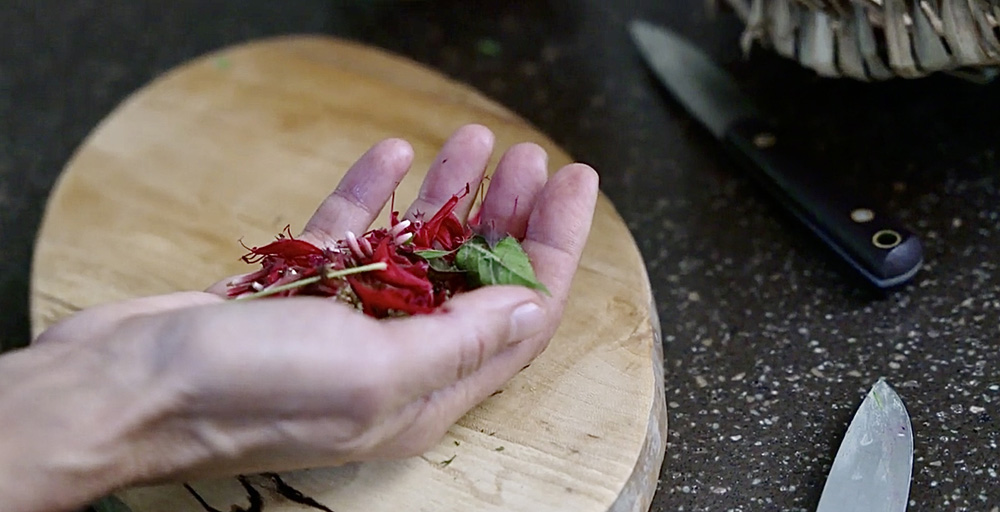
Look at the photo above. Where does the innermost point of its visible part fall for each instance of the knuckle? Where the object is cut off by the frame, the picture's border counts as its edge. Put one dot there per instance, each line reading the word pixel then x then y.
pixel 372 393
pixel 368 403
pixel 352 197
pixel 192 356
pixel 473 353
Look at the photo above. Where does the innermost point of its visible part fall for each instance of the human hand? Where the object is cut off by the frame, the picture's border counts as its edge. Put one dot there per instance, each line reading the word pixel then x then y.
pixel 190 385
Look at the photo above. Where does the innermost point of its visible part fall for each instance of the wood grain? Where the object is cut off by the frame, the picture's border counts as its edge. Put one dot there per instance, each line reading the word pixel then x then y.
pixel 244 141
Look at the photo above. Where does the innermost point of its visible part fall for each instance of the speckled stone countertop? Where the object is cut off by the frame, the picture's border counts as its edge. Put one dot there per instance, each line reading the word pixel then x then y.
pixel 770 343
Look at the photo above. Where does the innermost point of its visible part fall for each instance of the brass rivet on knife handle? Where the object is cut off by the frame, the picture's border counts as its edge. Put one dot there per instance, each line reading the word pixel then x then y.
pixel 764 140
pixel 887 239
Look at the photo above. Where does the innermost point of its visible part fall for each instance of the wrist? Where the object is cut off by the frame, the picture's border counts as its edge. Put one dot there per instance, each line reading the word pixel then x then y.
pixel 60 446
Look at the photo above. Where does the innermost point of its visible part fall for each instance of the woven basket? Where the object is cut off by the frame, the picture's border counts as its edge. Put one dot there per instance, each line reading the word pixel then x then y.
pixel 877 39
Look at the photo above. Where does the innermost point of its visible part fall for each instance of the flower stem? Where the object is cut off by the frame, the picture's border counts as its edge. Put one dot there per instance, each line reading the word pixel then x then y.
pixel 334 274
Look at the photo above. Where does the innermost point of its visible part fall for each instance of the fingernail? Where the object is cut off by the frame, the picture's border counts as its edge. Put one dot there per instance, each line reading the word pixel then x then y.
pixel 527 320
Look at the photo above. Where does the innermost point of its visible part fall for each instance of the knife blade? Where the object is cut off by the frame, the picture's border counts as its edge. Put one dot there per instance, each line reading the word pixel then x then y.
pixel 873 466
pixel 874 243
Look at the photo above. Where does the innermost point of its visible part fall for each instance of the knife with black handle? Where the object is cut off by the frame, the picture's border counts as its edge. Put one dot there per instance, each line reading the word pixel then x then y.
pixel 877 245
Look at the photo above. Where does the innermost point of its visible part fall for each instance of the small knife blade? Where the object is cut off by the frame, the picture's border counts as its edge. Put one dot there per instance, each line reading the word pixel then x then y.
pixel 874 243
pixel 873 466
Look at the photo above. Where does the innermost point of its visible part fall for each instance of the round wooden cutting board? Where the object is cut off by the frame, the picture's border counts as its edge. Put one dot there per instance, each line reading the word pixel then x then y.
pixel 242 142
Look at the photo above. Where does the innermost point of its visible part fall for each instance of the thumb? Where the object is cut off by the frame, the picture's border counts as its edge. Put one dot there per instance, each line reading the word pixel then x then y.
pixel 437 350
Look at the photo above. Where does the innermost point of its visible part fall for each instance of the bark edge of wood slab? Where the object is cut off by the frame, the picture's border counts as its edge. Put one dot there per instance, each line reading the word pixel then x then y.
pixel 245 140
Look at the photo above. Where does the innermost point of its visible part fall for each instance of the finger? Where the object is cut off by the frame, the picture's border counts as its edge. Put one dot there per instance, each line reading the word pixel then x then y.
pixel 558 229
pixel 97 322
pixel 358 198
pixel 461 162
pixel 431 352
pixel 556 234
pixel 513 189
pixel 361 194
pixel 428 418
pixel 444 350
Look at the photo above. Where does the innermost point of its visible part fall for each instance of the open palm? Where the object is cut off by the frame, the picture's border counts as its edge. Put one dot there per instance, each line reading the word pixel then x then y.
pixel 219 387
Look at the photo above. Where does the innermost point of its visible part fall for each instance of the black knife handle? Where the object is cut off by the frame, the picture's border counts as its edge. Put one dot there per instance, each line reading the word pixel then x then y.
pixel 873 242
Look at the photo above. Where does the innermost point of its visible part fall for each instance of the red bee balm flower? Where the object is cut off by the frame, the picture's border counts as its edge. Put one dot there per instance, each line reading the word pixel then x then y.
pixel 410 268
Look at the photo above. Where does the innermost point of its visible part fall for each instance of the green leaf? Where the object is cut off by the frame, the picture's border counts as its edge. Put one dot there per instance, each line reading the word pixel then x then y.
pixel 505 263
pixel 431 254
pixel 442 266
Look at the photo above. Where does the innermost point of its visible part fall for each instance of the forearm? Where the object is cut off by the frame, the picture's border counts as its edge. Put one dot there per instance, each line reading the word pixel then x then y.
pixel 55 454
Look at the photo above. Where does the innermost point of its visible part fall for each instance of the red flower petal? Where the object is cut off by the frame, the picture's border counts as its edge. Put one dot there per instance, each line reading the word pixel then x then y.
pixel 381 301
